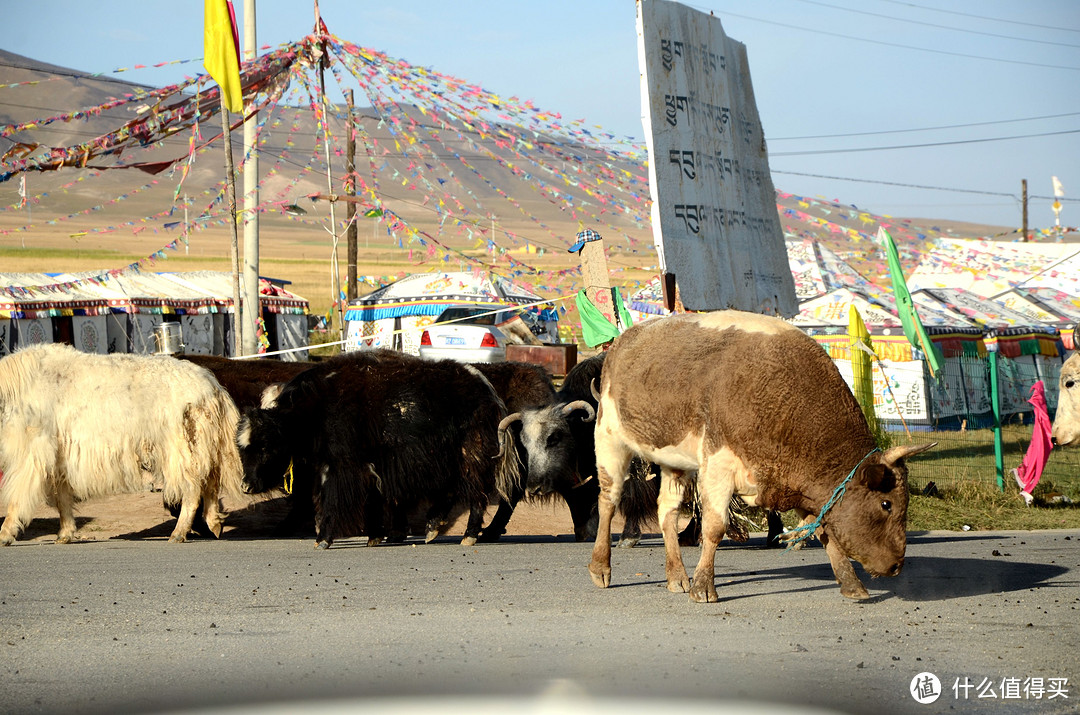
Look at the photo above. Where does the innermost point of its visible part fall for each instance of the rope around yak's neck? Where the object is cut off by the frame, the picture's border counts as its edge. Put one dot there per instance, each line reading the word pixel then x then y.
pixel 837 495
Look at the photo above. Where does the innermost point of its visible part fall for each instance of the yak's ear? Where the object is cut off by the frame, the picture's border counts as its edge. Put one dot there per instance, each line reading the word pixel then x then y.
pixel 894 455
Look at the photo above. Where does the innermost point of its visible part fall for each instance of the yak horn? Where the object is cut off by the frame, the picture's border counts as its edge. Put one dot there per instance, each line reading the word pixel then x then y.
pixel 503 426
pixel 579 405
pixel 594 391
pixel 509 420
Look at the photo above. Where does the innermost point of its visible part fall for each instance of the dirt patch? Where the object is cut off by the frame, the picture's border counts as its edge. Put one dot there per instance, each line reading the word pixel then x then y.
pixel 143 516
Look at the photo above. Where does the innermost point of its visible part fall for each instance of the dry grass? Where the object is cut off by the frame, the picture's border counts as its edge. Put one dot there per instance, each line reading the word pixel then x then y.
pixel 979 507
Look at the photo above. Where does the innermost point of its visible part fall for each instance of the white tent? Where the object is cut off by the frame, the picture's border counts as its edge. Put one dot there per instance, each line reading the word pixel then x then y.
pixel 394 316
pixel 989 268
pixel 118 312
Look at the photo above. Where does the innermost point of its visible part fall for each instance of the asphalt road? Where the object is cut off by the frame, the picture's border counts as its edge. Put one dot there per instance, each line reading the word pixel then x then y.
pixel 146 626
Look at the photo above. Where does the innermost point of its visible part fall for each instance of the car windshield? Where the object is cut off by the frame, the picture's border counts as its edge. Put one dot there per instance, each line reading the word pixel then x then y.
pixel 475 316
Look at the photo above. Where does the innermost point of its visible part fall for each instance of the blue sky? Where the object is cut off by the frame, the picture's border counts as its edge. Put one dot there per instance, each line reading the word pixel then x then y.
pixel 980 93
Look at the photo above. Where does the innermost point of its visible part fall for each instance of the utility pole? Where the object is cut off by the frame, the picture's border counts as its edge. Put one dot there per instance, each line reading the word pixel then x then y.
pixel 1023 186
pixel 252 307
pixel 230 199
pixel 350 206
pixel 185 225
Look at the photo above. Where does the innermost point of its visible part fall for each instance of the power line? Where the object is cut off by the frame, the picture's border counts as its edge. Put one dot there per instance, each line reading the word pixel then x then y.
pixel 981 17
pixel 894 183
pixel 940 27
pixel 926 129
pixel 897 44
pixel 913 186
pixel 920 146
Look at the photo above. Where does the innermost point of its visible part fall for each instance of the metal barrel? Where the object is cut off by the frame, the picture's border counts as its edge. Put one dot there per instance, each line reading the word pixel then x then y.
pixel 167 339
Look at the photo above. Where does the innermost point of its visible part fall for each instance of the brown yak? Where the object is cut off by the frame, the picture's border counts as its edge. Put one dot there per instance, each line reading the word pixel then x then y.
pixel 754 407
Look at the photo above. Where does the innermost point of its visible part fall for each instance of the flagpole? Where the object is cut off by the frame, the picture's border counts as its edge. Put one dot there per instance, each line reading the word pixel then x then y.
pixel 234 252
pixel 252 304
pixel 335 269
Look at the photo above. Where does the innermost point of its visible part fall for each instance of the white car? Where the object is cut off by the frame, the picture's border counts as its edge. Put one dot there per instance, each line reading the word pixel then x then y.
pixel 474 336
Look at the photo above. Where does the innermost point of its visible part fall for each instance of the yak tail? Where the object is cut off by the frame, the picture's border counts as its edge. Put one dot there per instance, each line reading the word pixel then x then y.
pixel 230 469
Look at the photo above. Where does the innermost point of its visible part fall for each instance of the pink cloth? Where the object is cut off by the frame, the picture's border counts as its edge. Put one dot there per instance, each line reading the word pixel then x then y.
pixel 1027 476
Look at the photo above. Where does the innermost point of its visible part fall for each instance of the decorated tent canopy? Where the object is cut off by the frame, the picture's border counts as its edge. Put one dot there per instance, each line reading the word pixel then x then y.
pixel 393 315
pixel 1047 305
pixel 118 312
pixel 818 270
pixel 825 318
pixel 989 268
pixel 1008 331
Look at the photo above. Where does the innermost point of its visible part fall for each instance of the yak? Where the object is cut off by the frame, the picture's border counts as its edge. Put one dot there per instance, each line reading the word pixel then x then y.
pixel 76 425
pixel 729 402
pixel 540 425
pixel 382 434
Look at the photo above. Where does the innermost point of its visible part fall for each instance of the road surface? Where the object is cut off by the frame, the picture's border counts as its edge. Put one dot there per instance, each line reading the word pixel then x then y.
pixel 141 625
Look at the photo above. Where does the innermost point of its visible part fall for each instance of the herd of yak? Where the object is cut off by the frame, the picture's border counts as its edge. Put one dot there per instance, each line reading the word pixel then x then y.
pixel 374 443
pixel 702 411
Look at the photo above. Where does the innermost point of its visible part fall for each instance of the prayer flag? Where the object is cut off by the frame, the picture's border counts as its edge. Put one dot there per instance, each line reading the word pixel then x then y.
pixel 221 52
pixel 905 307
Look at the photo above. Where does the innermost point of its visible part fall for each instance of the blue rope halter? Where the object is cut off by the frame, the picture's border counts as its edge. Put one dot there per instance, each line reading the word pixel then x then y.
pixel 837 495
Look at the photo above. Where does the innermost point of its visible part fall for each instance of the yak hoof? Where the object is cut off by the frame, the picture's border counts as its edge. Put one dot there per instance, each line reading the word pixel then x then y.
pixel 6 541
pixel 679 586
pixel 856 592
pixel 601 575
pixel 177 539
pixel 704 595
pixel 374 540
pixel 431 535
pixel 629 542
pixel 489 536
pixel 468 541
pixel 65 539
pixel 324 544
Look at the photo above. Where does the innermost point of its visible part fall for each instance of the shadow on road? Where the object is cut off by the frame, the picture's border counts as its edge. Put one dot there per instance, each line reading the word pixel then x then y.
pixel 925 578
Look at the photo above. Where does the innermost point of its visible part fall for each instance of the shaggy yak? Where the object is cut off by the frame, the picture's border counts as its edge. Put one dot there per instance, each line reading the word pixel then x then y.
pixel 248 383
pixel 541 426
pixel 76 425
pixel 373 436
pixel 738 403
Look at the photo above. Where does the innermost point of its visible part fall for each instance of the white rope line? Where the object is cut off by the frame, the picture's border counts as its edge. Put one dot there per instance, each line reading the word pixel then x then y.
pixel 415 327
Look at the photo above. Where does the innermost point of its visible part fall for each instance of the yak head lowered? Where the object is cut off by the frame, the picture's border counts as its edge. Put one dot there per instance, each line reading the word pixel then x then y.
pixel 548 444
pixel 265 450
pixel 869 523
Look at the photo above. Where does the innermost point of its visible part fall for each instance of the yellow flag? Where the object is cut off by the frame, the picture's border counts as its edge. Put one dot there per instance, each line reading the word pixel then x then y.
pixel 862 376
pixel 221 51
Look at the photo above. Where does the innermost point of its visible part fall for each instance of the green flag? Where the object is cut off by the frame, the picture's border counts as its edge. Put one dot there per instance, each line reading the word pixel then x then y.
pixel 913 327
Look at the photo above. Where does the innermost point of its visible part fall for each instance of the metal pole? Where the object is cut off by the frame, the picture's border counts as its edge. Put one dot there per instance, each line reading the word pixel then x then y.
pixel 230 198
pixel 1023 189
pixel 995 404
pixel 186 228
pixel 334 268
pixel 350 207
pixel 252 305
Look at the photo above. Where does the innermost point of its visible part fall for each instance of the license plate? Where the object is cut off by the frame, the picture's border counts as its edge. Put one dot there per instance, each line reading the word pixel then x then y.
pixel 451 340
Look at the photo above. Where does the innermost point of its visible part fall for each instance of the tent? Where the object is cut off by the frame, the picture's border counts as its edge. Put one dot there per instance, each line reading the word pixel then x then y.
pixel 818 270
pixel 903 387
pixel 118 312
pixel 988 268
pixel 1032 346
pixel 1047 305
pixel 393 316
